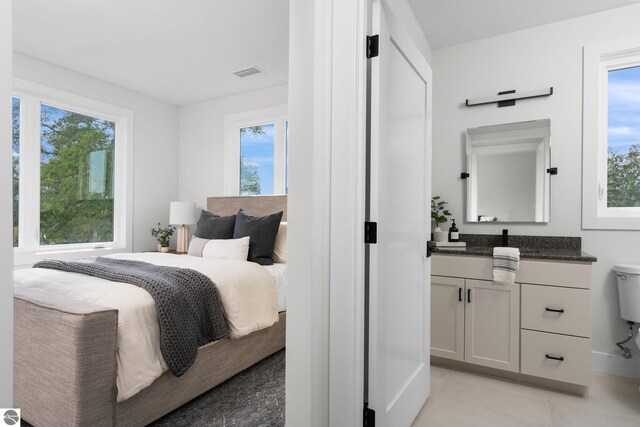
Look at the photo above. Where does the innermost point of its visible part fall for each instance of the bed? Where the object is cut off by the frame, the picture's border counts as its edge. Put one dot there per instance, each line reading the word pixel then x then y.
pixel 67 359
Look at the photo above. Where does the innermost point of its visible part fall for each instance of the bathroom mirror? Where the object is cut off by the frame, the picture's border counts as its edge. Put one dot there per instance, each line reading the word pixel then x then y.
pixel 507 166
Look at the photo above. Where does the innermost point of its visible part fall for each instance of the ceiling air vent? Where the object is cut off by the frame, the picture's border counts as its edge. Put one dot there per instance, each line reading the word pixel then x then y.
pixel 246 72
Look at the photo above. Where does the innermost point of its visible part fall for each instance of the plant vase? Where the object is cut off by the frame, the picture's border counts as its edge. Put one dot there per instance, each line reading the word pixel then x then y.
pixel 439 235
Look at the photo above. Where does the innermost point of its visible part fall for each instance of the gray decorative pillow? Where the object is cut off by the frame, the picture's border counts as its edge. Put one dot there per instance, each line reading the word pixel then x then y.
pixel 262 231
pixel 212 226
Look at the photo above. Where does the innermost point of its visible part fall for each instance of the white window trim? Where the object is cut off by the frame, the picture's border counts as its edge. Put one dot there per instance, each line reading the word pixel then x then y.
pixel 232 124
pixel 31 95
pixel 598 61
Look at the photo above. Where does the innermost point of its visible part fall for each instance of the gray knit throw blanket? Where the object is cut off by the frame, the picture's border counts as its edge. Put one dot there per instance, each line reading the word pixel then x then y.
pixel 189 310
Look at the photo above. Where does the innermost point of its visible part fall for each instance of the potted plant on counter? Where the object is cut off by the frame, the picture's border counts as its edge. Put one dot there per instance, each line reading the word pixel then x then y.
pixel 163 236
pixel 439 213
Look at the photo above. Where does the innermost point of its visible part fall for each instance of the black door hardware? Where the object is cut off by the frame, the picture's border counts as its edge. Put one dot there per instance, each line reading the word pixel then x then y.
pixel 560 358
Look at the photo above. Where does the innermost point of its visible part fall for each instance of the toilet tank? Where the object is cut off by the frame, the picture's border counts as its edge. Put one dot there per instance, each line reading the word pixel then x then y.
pixel 628 277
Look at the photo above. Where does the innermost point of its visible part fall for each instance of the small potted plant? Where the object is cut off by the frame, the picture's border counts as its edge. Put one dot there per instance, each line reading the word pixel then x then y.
pixel 163 235
pixel 439 213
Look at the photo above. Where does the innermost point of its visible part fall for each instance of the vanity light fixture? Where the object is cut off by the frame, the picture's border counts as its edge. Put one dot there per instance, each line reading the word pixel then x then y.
pixel 508 98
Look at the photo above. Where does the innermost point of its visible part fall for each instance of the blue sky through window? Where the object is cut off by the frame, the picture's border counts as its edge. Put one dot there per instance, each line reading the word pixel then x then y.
pixel 259 149
pixel 624 109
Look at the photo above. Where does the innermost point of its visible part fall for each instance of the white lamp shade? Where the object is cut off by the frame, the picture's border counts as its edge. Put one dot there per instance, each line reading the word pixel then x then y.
pixel 182 213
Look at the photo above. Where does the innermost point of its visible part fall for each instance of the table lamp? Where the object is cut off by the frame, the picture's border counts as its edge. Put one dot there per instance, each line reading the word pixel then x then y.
pixel 182 214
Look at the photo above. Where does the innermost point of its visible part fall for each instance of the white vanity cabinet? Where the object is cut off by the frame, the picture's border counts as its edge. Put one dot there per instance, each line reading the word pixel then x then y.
pixel 476 321
pixel 447 317
pixel 540 327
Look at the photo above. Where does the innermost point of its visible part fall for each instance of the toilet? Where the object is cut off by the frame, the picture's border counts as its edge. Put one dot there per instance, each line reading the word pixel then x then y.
pixel 628 277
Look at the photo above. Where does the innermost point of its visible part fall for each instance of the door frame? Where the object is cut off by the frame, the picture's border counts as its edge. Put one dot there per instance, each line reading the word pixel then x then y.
pixel 327 114
pixel 327 97
pixel 348 168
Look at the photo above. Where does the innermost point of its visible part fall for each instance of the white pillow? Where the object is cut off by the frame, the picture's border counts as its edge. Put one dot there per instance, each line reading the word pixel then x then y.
pixel 280 248
pixel 220 248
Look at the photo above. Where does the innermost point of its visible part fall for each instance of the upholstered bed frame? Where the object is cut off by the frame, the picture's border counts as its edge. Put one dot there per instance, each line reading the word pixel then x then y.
pixel 65 354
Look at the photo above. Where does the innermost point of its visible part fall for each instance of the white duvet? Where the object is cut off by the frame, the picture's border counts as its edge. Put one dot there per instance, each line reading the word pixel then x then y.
pixel 247 292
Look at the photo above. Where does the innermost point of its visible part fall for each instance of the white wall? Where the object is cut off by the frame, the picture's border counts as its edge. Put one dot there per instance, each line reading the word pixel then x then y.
pixel 307 372
pixel 155 140
pixel 536 58
pixel 6 213
pixel 201 159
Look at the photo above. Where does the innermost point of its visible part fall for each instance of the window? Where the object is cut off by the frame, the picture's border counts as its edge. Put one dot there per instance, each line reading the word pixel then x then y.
pixel 256 152
pixel 70 166
pixel 623 138
pixel 256 159
pixel 611 136
pixel 15 126
pixel 76 177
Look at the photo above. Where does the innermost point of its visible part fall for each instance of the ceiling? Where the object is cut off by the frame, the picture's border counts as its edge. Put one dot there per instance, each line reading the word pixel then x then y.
pixel 450 22
pixel 186 51
pixel 180 52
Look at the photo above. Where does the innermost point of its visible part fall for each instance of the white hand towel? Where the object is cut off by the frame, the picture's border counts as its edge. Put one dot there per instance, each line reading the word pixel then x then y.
pixel 505 263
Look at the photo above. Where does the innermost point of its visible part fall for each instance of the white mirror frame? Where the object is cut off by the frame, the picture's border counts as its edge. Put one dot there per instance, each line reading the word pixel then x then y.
pixel 511 137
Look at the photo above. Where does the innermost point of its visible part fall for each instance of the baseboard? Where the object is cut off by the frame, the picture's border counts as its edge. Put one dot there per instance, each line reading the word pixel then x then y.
pixel 616 365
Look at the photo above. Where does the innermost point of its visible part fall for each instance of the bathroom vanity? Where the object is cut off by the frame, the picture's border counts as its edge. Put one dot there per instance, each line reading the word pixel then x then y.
pixel 536 330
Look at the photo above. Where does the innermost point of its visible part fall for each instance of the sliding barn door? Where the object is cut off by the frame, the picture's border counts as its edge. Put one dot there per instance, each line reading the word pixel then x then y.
pixel 399 191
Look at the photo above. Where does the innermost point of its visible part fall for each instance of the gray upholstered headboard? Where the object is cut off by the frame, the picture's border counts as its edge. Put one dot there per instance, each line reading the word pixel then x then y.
pixel 253 205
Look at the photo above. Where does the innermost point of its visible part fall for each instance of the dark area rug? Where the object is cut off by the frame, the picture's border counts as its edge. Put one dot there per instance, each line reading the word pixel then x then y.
pixel 253 398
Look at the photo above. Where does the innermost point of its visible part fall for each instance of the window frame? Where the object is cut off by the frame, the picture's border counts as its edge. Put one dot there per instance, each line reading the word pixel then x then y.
pixel 598 61
pixel 233 123
pixel 32 96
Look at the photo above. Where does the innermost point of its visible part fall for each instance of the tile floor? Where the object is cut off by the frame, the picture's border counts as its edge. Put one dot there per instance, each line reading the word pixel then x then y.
pixel 461 398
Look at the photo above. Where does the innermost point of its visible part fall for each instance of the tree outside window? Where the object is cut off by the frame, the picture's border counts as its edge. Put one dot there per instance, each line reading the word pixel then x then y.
pixel 76 177
pixel 623 138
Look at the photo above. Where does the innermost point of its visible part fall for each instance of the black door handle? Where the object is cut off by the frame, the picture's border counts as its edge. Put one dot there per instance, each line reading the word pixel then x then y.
pixel 560 358
pixel 459 294
pixel 468 295
pixel 555 310
pixel 430 246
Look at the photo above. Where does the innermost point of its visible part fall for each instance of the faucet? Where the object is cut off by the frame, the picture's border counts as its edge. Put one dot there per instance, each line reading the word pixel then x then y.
pixel 505 237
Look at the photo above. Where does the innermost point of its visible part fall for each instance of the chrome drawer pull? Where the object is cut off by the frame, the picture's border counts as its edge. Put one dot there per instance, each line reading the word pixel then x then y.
pixel 555 310
pixel 560 358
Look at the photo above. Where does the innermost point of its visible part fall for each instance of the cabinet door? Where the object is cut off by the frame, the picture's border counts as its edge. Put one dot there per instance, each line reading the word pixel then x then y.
pixel 447 317
pixel 492 324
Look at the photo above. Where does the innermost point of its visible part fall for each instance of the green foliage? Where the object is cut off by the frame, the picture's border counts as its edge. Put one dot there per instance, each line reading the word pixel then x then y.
pixel 76 192
pixel 439 211
pixel 163 234
pixel 249 178
pixel 623 177
pixel 255 130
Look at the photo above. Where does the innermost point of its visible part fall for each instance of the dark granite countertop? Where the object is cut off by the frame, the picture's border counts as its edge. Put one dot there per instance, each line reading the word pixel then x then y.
pixel 531 247
pixel 525 253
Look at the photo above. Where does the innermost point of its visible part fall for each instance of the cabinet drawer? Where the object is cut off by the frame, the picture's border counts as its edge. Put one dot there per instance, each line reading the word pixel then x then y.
pixel 539 348
pixel 570 275
pixel 554 309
